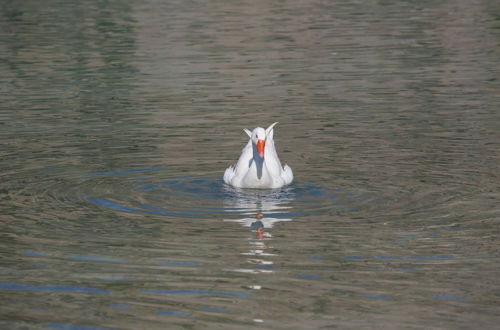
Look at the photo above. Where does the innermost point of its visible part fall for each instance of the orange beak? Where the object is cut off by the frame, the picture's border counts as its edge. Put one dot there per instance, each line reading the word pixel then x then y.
pixel 260 147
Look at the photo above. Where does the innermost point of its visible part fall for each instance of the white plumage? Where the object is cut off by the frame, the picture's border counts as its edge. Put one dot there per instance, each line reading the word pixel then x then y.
pixel 259 165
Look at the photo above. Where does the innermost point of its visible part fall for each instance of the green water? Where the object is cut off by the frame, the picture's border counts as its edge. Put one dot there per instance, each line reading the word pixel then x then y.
pixel 118 119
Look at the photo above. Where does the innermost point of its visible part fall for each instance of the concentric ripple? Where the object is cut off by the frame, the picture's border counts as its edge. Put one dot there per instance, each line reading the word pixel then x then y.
pixel 155 191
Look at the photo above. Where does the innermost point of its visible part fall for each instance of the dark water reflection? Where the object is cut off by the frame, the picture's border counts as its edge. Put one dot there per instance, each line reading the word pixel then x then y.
pixel 118 118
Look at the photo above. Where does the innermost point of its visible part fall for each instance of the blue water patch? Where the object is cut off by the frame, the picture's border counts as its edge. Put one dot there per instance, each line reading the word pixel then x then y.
pixel 140 177
pixel 179 263
pixel 211 210
pixel 170 182
pixel 33 253
pixel 119 306
pixel 388 258
pixel 447 297
pixel 115 278
pixel 101 259
pixel 290 214
pixel 354 258
pixel 70 327
pixel 47 170
pixel 308 276
pixel 264 267
pixel 316 258
pixel 407 268
pixel 171 313
pixel 138 170
pixel 62 288
pixel 138 184
pixel 214 309
pixel 198 292
pixel 115 206
pixel 151 207
pixel 149 187
pixel 429 258
pixel 378 297
pixel 414 257
pixel 197 181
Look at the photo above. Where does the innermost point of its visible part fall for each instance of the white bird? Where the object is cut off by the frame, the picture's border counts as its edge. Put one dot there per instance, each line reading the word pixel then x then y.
pixel 259 165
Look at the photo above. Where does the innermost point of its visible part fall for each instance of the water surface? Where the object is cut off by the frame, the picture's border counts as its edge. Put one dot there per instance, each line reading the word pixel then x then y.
pixel 118 118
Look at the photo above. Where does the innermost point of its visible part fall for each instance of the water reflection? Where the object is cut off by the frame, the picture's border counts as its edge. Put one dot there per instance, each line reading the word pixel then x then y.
pixel 258 207
pixel 257 210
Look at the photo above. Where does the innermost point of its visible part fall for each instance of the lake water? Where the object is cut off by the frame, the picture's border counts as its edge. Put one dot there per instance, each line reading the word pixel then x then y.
pixel 118 119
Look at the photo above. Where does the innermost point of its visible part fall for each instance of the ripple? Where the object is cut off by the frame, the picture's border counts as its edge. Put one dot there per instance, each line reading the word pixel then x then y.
pixel 70 327
pixel 376 297
pixel 448 297
pixel 100 259
pixel 172 313
pixel 156 191
pixel 63 288
pixel 165 194
pixel 198 292
pixel 308 276
pixel 179 263
pixel 33 253
pixel 205 197
pixel 214 309
pixel 119 306
pixel 115 278
pixel 119 172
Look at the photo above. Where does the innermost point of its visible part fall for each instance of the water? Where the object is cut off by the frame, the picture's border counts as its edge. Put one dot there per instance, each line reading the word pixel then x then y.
pixel 118 118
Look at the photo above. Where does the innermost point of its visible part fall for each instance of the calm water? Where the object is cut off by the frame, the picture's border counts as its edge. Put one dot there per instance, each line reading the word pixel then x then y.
pixel 118 118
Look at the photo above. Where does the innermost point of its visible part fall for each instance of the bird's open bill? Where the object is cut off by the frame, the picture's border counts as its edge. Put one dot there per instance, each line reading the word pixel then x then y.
pixel 260 147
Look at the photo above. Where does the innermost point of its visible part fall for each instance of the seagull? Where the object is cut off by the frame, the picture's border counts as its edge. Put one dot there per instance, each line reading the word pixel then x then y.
pixel 259 165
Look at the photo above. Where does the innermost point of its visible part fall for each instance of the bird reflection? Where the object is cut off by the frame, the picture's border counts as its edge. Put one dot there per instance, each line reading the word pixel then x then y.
pixel 259 211
pixel 258 227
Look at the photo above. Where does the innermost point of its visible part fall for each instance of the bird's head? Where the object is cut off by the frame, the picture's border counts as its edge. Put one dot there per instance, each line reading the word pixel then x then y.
pixel 259 136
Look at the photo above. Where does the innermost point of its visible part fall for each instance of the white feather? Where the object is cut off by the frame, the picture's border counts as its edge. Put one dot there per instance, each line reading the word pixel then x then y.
pixel 253 171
